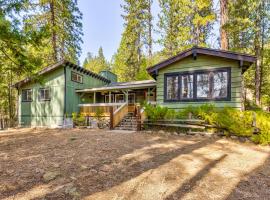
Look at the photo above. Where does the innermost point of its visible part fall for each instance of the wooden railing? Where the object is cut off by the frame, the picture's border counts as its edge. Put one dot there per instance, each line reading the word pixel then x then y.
pixel 117 115
pixel 98 108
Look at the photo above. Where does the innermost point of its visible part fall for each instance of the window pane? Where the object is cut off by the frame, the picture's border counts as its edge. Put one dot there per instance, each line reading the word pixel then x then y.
pixel 29 95
pixel 203 90
pixel 187 86
pixel 47 94
pixel 172 87
pixel 220 84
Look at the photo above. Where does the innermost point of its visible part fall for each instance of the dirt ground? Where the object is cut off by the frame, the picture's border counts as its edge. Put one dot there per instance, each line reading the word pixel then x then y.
pixel 85 164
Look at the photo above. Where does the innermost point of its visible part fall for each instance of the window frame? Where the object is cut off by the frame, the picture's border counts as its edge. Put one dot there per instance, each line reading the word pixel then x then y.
pixel 27 95
pixel 165 87
pixel 77 75
pixel 195 73
pixel 42 100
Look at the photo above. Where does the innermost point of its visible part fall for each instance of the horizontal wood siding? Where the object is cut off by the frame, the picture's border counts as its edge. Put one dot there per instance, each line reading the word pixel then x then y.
pixel 201 63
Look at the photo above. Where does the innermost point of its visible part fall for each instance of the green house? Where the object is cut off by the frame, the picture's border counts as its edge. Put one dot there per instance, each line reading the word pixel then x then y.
pixel 193 77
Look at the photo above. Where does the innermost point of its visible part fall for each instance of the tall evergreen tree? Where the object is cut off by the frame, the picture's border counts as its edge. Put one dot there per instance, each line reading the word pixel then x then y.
pixel 129 57
pixel 184 23
pixel 224 43
pixel 96 63
pixel 247 29
pixel 61 22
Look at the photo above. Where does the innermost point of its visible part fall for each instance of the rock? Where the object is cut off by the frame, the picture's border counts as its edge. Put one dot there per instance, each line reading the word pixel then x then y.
pixel 234 137
pixel 93 171
pixel 84 167
pixel 49 176
pixel 148 132
pixel 242 139
pixel 72 191
pixel 106 168
pixel 175 133
pixel 181 134
pixel 161 132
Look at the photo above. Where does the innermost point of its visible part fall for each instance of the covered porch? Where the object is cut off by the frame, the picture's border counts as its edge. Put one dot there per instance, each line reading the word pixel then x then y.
pixel 117 99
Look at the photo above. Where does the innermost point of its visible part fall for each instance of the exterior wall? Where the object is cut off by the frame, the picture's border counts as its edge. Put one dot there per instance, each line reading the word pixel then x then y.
pixel 44 113
pixel 73 98
pixel 201 63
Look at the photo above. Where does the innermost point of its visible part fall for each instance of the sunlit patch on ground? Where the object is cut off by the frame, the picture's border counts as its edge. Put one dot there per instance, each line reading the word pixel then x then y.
pixel 83 164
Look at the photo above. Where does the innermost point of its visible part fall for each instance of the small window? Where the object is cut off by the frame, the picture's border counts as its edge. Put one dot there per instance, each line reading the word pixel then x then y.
pixel 27 95
pixel 187 87
pixel 76 77
pixel 44 94
pixel 172 88
pixel 107 98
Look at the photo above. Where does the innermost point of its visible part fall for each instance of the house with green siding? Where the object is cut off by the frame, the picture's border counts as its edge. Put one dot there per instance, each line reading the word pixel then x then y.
pixel 193 77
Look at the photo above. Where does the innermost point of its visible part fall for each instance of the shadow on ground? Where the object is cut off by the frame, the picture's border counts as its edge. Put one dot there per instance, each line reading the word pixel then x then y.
pixel 87 164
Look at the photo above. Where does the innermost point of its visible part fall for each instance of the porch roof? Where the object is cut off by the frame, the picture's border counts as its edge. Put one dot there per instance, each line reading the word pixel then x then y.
pixel 121 85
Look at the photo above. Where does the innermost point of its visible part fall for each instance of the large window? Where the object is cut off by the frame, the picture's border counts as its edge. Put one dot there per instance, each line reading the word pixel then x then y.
pixel 199 85
pixel 44 94
pixel 76 77
pixel 27 95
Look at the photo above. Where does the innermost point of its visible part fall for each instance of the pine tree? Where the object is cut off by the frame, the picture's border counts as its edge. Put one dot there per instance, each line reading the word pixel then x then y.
pixel 184 23
pixel 61 23
pixel 96 63
pixel 223 21
pixel 129 57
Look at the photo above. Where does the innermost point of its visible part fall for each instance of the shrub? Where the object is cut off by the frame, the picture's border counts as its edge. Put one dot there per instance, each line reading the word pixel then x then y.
pixel 78 119
pixel 231 120
pixel 155 113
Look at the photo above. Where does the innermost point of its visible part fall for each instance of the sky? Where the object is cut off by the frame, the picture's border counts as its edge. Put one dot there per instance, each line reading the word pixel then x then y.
pixel 103 26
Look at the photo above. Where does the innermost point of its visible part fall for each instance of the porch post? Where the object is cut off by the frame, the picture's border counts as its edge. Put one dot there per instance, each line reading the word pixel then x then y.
pixel 148 94
pixel 127 96
pixel 94 97
pixel 110 97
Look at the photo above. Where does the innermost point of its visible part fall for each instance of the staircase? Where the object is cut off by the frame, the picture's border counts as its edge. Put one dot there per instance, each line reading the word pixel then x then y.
pixel 129 122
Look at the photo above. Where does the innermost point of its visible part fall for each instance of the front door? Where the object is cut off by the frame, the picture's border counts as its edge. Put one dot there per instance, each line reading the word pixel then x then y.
pixel 131 102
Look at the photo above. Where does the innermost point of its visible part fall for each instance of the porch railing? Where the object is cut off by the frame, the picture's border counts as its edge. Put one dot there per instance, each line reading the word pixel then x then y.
pixel 102 109
pixel 117 115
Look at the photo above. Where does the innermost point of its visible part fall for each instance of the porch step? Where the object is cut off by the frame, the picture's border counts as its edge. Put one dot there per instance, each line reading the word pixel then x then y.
pixel 129 122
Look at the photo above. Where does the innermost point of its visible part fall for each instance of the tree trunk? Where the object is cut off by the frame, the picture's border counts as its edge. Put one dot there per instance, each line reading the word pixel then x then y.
pixel 224 43
pixel 257 48
pixel 55 52
pixel 150 41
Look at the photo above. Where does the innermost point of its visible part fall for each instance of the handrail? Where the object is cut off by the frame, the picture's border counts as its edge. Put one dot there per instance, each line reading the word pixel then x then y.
pixel 117 110
pixel 118 115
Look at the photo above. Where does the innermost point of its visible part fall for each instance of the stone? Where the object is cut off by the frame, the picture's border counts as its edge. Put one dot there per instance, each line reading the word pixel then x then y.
pixel 106 168
pixel 242 139
pixel 148 132
pixel 175 133
pixel 161 132
pixel 234 137
pixel 72 191
pixel 93 171
pixel 49 176
pixel 181 134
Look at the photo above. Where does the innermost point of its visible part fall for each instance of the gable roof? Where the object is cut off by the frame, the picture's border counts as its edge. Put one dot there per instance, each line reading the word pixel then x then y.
pixel 55 66
pixel 194 51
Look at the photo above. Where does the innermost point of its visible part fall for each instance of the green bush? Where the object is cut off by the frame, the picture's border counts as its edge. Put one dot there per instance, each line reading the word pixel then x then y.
pixel 78 119
pixel 155 113
pixel 231 120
